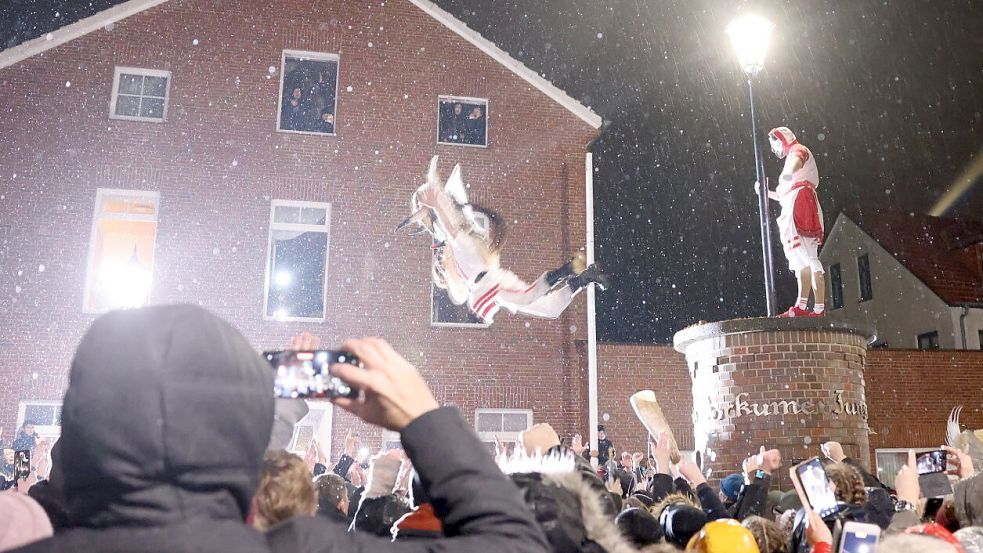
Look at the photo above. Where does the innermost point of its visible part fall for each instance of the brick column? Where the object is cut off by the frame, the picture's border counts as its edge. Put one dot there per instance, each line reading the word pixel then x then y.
pixel 789 384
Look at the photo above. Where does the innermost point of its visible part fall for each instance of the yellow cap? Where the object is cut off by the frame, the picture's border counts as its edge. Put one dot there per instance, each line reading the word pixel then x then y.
pixel 723 536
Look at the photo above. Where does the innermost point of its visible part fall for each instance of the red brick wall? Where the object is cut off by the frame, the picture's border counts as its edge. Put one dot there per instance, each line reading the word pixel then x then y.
pixel 217 162
pixel 909 393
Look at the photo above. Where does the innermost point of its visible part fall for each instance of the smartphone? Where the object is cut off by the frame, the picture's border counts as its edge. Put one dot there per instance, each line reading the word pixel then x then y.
pixel 858 537
pixel 22 464
pixel 931 462
pixel 304 374
pixel 813 486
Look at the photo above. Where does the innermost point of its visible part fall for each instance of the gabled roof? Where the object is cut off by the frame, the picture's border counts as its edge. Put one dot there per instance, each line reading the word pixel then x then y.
pixel 942 253
pixel 100 20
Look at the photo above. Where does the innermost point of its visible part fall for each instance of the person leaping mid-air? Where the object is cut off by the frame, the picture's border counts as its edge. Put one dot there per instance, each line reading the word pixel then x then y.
pixel 466 256
pixel 800 224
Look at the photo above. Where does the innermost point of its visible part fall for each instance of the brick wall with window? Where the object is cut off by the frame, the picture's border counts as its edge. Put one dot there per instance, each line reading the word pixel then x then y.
pixel 909 393
pixel 217 162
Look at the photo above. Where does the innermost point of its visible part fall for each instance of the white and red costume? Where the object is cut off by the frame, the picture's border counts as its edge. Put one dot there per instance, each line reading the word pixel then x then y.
pixel 800 224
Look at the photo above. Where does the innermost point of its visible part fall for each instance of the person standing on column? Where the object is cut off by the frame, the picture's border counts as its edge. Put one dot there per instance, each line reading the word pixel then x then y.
pixel 800 224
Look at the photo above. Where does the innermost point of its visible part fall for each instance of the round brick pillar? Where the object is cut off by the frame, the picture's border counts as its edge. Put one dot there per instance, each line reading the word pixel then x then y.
pixel 789 384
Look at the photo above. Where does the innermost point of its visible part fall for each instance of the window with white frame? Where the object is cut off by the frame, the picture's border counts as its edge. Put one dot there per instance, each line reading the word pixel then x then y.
pixel 443 311
pixel 297 261
pixel 502 424
pixel 308 92
pixel 44 414
pixel 462 121
pixel 890 460
pixel 316 425
pixel 391 440
pixel 140 94
pixel 121 250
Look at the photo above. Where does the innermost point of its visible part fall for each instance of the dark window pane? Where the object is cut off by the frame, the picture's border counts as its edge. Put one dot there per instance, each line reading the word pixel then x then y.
pixel 128 106
pixel 152 107
pixel 444 311
pixel 836 285
pixel 461 122
pixel 308 89
pixel 40 414
pixel 863 270
pixel 130 84
pixel 297 265
pixel 929 340
pixel 155 86
pixel 981 339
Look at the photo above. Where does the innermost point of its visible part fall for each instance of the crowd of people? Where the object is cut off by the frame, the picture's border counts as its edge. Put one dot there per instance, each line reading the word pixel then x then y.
pixel 165 446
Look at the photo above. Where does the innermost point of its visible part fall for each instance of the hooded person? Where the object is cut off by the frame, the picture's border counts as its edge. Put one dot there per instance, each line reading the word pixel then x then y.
pixel 800 224
pixel 152 457
pixel 723 536
pixel 680 522
pixel 968 500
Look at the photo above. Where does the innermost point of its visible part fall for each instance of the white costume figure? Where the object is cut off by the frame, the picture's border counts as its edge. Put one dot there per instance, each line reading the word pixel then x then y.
pixel 800 224
pixel 466 258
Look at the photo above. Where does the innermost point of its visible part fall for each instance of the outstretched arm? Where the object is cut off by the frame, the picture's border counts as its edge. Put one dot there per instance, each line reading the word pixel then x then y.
pixel 448 215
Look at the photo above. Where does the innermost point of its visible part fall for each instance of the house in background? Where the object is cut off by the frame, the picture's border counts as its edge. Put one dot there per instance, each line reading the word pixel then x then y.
pixel 254 157
pixel 917 279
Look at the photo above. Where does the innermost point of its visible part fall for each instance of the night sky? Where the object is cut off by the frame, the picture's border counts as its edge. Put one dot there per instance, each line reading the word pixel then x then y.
pixel 887 94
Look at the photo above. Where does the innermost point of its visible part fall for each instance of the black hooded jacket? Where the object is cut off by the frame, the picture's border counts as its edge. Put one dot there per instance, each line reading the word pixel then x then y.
pixel 165 421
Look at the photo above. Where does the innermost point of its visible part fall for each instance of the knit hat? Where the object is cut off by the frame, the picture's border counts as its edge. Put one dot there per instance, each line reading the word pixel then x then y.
pixel 723 536
pixel 639 526
pixel 680 522
pixel 23 521
pixel 731 485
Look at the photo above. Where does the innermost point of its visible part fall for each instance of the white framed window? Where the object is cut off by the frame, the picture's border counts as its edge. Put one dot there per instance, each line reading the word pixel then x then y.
pixel 308 92
pixel 140 94
pixel 889 460
pixel 390 440
pixel 316 425
pixel 121 250
pixel 297 261
pixel 462 121
pixel 504 424
pixel 443 311
pixel 45 414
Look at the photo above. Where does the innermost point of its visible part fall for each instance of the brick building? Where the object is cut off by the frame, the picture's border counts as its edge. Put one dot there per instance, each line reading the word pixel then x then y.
pixel 154 152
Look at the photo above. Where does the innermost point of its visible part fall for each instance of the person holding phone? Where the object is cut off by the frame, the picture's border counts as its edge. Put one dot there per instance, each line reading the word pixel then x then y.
pixel 166 419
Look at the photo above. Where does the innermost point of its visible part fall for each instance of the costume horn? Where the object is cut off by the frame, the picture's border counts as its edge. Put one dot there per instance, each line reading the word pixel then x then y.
pixel 433 176
pixel 650 414
pixel 420 217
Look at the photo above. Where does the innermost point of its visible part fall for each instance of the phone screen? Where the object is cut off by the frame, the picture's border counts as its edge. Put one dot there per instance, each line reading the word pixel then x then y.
pixel 931 462
pixel 304 374
pixel 858 541
pixel 816 486
pixel 22 463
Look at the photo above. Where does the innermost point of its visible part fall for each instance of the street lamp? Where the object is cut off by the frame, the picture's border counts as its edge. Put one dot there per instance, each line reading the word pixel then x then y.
pixel 750 35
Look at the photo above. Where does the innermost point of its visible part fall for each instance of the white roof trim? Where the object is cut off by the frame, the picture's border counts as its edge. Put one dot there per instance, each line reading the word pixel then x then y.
pixel 21 52
pixel 512 64
pixel 98 21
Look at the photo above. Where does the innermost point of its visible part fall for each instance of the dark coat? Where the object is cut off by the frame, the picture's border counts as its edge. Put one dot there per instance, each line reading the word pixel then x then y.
pixel 166 418
pixel 480 509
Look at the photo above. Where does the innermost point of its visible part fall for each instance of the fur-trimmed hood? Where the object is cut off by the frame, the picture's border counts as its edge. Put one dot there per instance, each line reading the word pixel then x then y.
pixel 566 504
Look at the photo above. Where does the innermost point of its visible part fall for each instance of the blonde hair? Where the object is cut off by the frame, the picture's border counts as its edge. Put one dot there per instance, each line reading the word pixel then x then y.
pixel 285 490
pixel 849 483
pixel 769 536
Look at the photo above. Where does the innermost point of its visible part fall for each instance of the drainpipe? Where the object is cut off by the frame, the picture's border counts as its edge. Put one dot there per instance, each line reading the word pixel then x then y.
pixel 962 325
pixel 591 313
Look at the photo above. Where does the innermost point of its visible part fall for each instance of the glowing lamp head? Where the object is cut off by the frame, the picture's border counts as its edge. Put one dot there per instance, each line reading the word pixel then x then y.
pixel 750 35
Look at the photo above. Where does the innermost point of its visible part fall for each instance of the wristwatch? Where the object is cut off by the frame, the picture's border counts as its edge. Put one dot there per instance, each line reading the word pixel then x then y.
pixel 760 474
pixel 902 506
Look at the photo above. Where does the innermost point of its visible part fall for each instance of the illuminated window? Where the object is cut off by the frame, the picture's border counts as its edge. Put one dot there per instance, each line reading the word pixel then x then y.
pixel 121 250
pixel 140 94
pixel 297 261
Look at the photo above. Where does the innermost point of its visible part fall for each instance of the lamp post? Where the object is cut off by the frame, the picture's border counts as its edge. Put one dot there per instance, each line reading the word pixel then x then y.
pixel 750 35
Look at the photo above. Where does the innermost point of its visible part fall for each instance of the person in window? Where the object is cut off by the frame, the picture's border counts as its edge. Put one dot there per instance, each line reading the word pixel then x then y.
pixel 292 112
pixel 474 127
pixel 26 438
pixel 452 124
pixel 326 123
